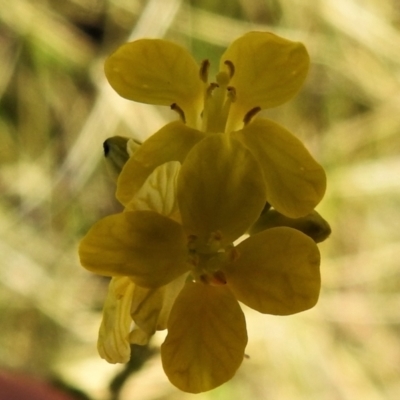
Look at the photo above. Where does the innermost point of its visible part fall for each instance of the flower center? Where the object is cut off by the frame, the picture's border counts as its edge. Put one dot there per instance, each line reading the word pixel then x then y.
pixel 208 259
pixel 217 99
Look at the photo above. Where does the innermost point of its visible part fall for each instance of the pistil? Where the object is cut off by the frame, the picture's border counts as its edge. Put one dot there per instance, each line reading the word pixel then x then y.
pixel 217 104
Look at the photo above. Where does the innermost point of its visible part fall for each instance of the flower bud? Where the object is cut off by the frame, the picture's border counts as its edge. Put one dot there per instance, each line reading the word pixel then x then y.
pixel 313 225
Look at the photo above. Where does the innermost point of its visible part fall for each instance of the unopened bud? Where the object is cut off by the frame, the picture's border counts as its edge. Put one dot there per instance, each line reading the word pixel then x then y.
pixel 313 225
pixel 117 150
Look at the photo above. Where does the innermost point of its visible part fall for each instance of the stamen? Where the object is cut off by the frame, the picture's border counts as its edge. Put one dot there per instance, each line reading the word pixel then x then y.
pixel 231 93
pixel 218 279
pixel 179 110
pixel 213 243
pixel 211 87
pixel 209 101
pixel 231 68
pixel 233 255
pixel 217 235
pixel 249 116
pixel 204 69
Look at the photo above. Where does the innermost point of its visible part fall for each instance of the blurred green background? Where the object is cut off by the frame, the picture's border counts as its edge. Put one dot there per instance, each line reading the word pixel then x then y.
pixel 56 109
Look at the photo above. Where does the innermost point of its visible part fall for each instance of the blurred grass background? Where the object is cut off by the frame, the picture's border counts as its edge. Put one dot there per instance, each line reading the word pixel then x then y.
pixel 55 111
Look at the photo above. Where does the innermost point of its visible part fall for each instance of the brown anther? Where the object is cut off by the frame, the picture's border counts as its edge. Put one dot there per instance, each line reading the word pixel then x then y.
pixel 211 87
pixel 213 243
pixel 204 69
pixel 231 93
pixel 218 279
pixel 179 110
pixel 231 68
pixel 218 235
pixel 249 116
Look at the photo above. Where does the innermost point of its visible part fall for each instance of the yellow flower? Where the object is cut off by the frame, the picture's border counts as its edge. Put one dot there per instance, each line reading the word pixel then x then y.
pixel 259 70
pixel 275 271
pixel 149 308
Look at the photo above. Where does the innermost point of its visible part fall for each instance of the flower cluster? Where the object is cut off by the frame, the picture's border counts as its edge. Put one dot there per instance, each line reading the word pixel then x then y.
pixel 190 191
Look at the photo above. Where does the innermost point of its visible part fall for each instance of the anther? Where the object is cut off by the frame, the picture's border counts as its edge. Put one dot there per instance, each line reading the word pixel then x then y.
pixel 211 87
pixel 204 68
pixel 218 235
pixel 231 68
pixel 249 116
pixel 213 243
pixel 231 93
pixel 233 255
pixel 179 110
pixel 218 279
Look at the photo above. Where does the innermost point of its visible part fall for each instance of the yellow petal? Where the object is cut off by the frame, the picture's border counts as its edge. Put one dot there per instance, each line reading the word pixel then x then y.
pixel 277 272
pixel 170 293
pixel 113 343
pixel 147 246
pixel 268 70
pixel 220 188
pixel 145 309
pixel 295 182
pixel 170 143
pixel 155 71
pixel 158 193
pixel 206 338
pixel 132 145
pixel 139 337
pixel 151 307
